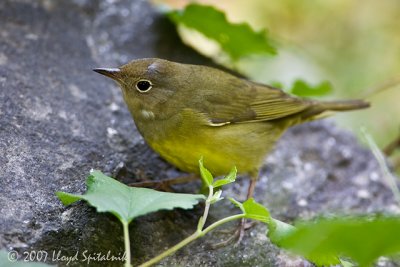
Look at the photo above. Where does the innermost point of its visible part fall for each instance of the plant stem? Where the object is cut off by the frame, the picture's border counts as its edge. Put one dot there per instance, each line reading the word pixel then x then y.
pixel 207 207
pixel 171 250
pixel 221 222
pixel 127 244
pixel 189 239
pixel 199 232
pixel 390 179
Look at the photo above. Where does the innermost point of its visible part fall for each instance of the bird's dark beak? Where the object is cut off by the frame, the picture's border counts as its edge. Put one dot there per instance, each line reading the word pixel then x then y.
pixel 113 73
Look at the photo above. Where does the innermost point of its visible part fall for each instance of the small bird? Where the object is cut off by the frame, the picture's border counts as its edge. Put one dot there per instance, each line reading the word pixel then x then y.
pixel 185 112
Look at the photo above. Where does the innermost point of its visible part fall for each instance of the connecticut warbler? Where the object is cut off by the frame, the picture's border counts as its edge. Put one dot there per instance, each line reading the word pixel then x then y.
pixel 185 112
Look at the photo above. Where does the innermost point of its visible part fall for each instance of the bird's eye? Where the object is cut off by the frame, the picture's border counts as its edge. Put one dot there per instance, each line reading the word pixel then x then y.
pixel 143 86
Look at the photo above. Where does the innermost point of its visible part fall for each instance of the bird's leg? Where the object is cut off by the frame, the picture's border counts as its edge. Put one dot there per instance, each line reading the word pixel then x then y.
pixel 243 225
pixel 250 190
pixel 239 232
pixel 166 183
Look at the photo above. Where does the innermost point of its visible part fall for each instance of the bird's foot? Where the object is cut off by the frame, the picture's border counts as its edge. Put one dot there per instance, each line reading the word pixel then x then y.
pixel 165 184
pixel 237 235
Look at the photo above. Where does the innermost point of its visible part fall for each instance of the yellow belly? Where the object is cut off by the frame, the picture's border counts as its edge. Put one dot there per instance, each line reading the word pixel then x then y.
pixel 240 145
pixel 186 137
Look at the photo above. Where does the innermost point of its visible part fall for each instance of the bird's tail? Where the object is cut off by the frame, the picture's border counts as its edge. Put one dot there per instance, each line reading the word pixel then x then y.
pixel 320 109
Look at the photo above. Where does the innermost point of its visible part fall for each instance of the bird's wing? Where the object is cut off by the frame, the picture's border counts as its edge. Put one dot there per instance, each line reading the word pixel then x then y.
pixel 250 102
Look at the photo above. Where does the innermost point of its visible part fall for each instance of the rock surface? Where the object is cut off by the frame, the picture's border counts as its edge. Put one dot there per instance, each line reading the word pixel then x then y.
pixel 58 120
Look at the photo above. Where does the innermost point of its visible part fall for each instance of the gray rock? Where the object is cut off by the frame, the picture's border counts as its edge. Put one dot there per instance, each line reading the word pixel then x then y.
pixel 58 120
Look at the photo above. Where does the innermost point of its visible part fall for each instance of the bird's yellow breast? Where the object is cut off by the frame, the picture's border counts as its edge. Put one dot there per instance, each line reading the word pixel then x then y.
pixel 183 141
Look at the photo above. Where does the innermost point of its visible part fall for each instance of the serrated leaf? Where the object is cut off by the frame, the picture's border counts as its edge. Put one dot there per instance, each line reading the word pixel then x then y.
pixel 362 239
pixel 126 203
pixel 230 178
pixel 256 211
pixel 304 89
pixel 206 175
pixel 237 40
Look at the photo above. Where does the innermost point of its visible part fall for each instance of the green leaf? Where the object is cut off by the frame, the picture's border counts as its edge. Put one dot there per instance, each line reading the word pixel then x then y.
pixel 277 84
pixel 206 175
pixel 362 239
pixel 237 40
pixel 302 88
pixel 230 178
pixel 126 203
pixel 256 211
pixel 278 230
pixel 237 204
pixel 344 263
pixel 67 198
pixel 253 210
pixel 216 197
pixel 7 260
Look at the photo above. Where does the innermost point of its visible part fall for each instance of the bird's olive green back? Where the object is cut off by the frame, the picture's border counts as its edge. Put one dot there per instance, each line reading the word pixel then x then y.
pixel 221 97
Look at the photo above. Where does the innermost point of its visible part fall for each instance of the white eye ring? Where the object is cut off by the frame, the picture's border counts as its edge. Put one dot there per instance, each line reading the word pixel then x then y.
pixel 143 85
